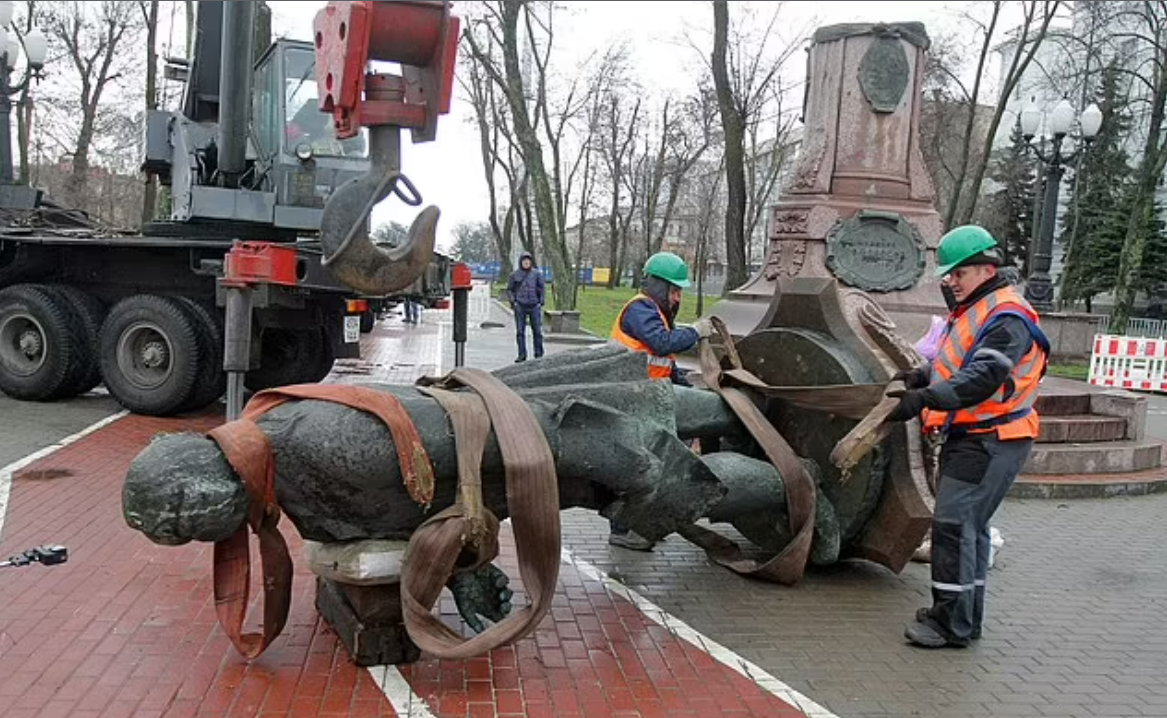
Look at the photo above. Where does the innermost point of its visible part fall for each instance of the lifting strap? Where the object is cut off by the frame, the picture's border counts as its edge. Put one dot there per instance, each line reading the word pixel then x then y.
pixel 435 548
pixel 860 401
pixel 532 496
pixel 786 566
pixel 249 452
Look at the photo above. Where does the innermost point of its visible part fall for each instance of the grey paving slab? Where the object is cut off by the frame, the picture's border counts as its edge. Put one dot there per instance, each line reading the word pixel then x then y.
pixel 1074 622
pixel 28 426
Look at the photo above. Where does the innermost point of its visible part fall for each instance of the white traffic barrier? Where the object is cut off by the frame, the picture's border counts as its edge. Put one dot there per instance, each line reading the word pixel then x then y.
pixel 1126 362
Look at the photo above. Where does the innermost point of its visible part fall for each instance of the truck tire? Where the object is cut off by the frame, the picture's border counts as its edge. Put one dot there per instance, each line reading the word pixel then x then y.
pixel 368 321
pixel 89 314
pixel 212 380
pixel 323 367
pixel 287 356
pixel 40 343
pixel 150 354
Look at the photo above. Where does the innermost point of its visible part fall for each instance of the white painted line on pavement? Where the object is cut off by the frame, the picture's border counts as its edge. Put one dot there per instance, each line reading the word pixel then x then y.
pixel 683 631
pixel 405 702
pixel 10 470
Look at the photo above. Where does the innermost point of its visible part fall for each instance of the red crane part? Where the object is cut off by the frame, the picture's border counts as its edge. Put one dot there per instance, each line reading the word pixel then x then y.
pixel 422 36
pixel 257 262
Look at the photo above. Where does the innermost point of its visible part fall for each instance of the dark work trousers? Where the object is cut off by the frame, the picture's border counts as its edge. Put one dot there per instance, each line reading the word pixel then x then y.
pixel 975 473
pixel 533 314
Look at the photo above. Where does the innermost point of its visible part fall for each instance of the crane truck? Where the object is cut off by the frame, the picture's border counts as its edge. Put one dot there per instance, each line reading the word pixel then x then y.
pixel 272 166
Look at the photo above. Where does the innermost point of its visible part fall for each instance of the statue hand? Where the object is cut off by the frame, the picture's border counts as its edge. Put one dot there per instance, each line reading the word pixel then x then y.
pixel 481 592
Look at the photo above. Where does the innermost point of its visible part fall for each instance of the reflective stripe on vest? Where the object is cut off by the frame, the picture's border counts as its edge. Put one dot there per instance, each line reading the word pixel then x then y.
pixel 1014 398
pixel 658 367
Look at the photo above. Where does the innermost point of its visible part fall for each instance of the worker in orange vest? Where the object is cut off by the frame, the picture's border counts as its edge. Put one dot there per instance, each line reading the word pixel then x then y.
pixel 976 399
pixel 647 323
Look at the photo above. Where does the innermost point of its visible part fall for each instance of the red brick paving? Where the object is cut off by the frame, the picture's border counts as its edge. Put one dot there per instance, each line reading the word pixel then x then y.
pixel 127 628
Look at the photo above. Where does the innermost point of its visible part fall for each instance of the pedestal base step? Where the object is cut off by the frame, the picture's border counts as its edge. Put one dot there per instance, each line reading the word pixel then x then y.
pixel 1089 486
pixel 1106 457
pixel 367 619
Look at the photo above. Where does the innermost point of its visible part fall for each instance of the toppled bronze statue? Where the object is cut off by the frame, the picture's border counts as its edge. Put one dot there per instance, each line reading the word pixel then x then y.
pixel 598 432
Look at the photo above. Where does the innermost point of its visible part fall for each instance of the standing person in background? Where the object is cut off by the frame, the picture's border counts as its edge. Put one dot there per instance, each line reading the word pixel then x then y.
pixel 525 290
pixel 412 311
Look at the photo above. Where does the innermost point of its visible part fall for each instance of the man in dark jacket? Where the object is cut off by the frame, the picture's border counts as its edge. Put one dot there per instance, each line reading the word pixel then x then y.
pixel 977 399
pixel 647 324
pixel 525 290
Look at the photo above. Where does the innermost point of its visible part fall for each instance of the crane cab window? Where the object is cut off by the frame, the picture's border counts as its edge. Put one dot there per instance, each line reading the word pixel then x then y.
pixel 305 123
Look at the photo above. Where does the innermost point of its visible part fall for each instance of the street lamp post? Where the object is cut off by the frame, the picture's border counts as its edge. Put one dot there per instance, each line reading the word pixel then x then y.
pixel 36 49
pixel 1039 290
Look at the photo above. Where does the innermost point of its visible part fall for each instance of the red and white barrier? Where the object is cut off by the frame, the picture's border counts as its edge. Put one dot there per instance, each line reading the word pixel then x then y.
pixel 1129 362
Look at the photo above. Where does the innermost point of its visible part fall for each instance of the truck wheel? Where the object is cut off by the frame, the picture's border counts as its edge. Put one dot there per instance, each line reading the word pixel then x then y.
pixel 368 320
pixel 90 313
pixel 150 354
pixel 323 367
pixel 283 357
pixel 212 380
pixel 39 343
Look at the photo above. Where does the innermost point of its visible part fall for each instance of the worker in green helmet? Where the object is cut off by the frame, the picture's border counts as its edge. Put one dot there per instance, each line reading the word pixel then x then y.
pixel 647 323
pixel 976 401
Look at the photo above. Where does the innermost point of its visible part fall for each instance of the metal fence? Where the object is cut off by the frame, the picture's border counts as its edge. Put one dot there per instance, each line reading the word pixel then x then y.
pixel 1149 328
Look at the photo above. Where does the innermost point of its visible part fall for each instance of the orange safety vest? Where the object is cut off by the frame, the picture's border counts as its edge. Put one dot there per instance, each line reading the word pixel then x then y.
pixel 993 414
pixel 658 367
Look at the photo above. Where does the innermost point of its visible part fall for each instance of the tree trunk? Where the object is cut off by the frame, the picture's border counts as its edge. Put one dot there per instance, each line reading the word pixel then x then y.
pixel 1011 80
pixel 733 128
pixel 555 249
pixel 966 146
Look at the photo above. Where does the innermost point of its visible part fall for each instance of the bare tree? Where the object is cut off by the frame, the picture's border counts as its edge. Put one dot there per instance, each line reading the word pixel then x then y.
pixel 481 89
pixel 1029 36
pixel 503 25
pixel 93 37
pixel 769 152
pixel 746 79
pixel 707 191
pixel 616 147
pixel 684 133
pixel 600 86
pixel 733 126
pixel 945 107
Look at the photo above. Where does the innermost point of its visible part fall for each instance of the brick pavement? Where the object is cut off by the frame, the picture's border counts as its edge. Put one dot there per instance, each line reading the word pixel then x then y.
pixel 127 628
pixel 1074 625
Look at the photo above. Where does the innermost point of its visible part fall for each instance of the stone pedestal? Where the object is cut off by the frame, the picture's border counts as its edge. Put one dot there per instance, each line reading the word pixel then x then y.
pixel 368 621
pixel 561 321
pixel 860 206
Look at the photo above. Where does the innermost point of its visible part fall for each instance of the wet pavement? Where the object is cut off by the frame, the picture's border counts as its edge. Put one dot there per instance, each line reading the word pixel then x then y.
pixel 126 628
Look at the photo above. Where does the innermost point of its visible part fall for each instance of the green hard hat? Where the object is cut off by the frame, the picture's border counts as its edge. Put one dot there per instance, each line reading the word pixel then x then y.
pixel 961 244
pixel 669 267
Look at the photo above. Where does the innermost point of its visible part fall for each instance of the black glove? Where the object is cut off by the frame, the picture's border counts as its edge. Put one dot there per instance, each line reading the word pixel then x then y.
pixel 916 378
pixel 912 402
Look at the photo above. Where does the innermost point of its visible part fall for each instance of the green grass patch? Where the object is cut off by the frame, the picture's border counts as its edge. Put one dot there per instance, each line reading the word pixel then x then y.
pixel 1070 370
pixel 598 307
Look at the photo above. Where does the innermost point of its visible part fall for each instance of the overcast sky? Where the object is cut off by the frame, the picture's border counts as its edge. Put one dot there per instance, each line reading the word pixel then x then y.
pixel 448 172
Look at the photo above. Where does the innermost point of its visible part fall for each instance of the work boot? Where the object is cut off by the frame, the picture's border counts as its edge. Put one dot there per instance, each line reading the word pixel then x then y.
pixel 927 633
pixel 630 540
pixel 924 614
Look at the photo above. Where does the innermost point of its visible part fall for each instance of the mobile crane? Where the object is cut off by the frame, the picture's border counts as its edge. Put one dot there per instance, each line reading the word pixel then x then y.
pixel 260 273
